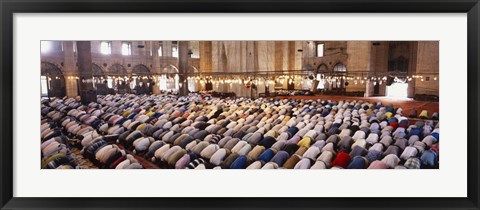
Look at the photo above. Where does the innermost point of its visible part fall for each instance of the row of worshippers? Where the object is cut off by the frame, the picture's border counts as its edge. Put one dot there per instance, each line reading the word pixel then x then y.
pixel 60 129
pixel 54 150
pixel 55 154
pixel 199 132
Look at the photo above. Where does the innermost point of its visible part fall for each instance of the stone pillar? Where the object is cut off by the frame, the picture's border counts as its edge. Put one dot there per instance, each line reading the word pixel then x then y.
pixel 359 60
pixel 298 55
pixel 205 56
pixel 279 56
pixel 369 89
pixel 428 66
pixel 87 92
pixel 167 48
pixel 182 67
pixel 412 68
pixel 250 65
pixel 156 65
pixel 70 69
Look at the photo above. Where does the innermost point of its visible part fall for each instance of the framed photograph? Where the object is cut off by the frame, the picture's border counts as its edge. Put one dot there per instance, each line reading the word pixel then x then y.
pixel 239 105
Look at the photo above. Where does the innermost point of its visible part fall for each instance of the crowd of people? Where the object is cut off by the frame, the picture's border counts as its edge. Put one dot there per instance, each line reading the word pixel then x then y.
pixel 65 125
pixel 204 132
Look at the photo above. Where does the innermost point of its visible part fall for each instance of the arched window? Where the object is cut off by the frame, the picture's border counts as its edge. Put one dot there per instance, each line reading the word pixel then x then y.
pixel 321 71
pixel 97 71
pixel 52 80
pixel 339 70
pixel 117 69
pixel 97 74
pixel 141 79
pixel 170 81
pixel 115 72
pixel 191 81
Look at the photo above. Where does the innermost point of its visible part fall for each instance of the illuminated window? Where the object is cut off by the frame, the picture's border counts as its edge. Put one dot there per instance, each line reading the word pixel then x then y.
pixel 320 49
pixel 126 48
pixel 46 46
pixel 44 86
pixel 175 52
pixel 160 52
pixel 106 48
pixel 339 68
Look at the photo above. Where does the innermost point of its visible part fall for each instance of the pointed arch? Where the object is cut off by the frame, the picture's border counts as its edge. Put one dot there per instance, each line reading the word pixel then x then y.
pixel 50 69
pixel 97 71
pixel 192 69
pixel 117 69
pixel 339 68
pixel 170 69
pixel 322 68
pixel 141 70
pixel 52 80
pixel 171 80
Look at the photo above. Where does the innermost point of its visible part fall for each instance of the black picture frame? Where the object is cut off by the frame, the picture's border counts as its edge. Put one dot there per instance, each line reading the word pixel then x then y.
pixel 10 7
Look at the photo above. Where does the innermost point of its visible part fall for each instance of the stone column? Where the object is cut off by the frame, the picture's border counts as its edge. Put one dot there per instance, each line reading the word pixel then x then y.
pixel 87 92
pixel 70 69
pixel 361 55
pixel 427 65
pixel 167 48
pixel 412 69
pixel 182 66
pixel 156 65
pixel 205 56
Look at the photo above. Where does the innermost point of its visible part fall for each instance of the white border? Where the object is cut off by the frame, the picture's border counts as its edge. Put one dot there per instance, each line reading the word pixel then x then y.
pixel 450 180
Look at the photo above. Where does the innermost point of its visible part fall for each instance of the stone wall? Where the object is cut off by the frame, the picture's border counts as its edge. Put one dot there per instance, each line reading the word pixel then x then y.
pixel 358 62
pixel 427 62
pixel 64 55
pixel 359 57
